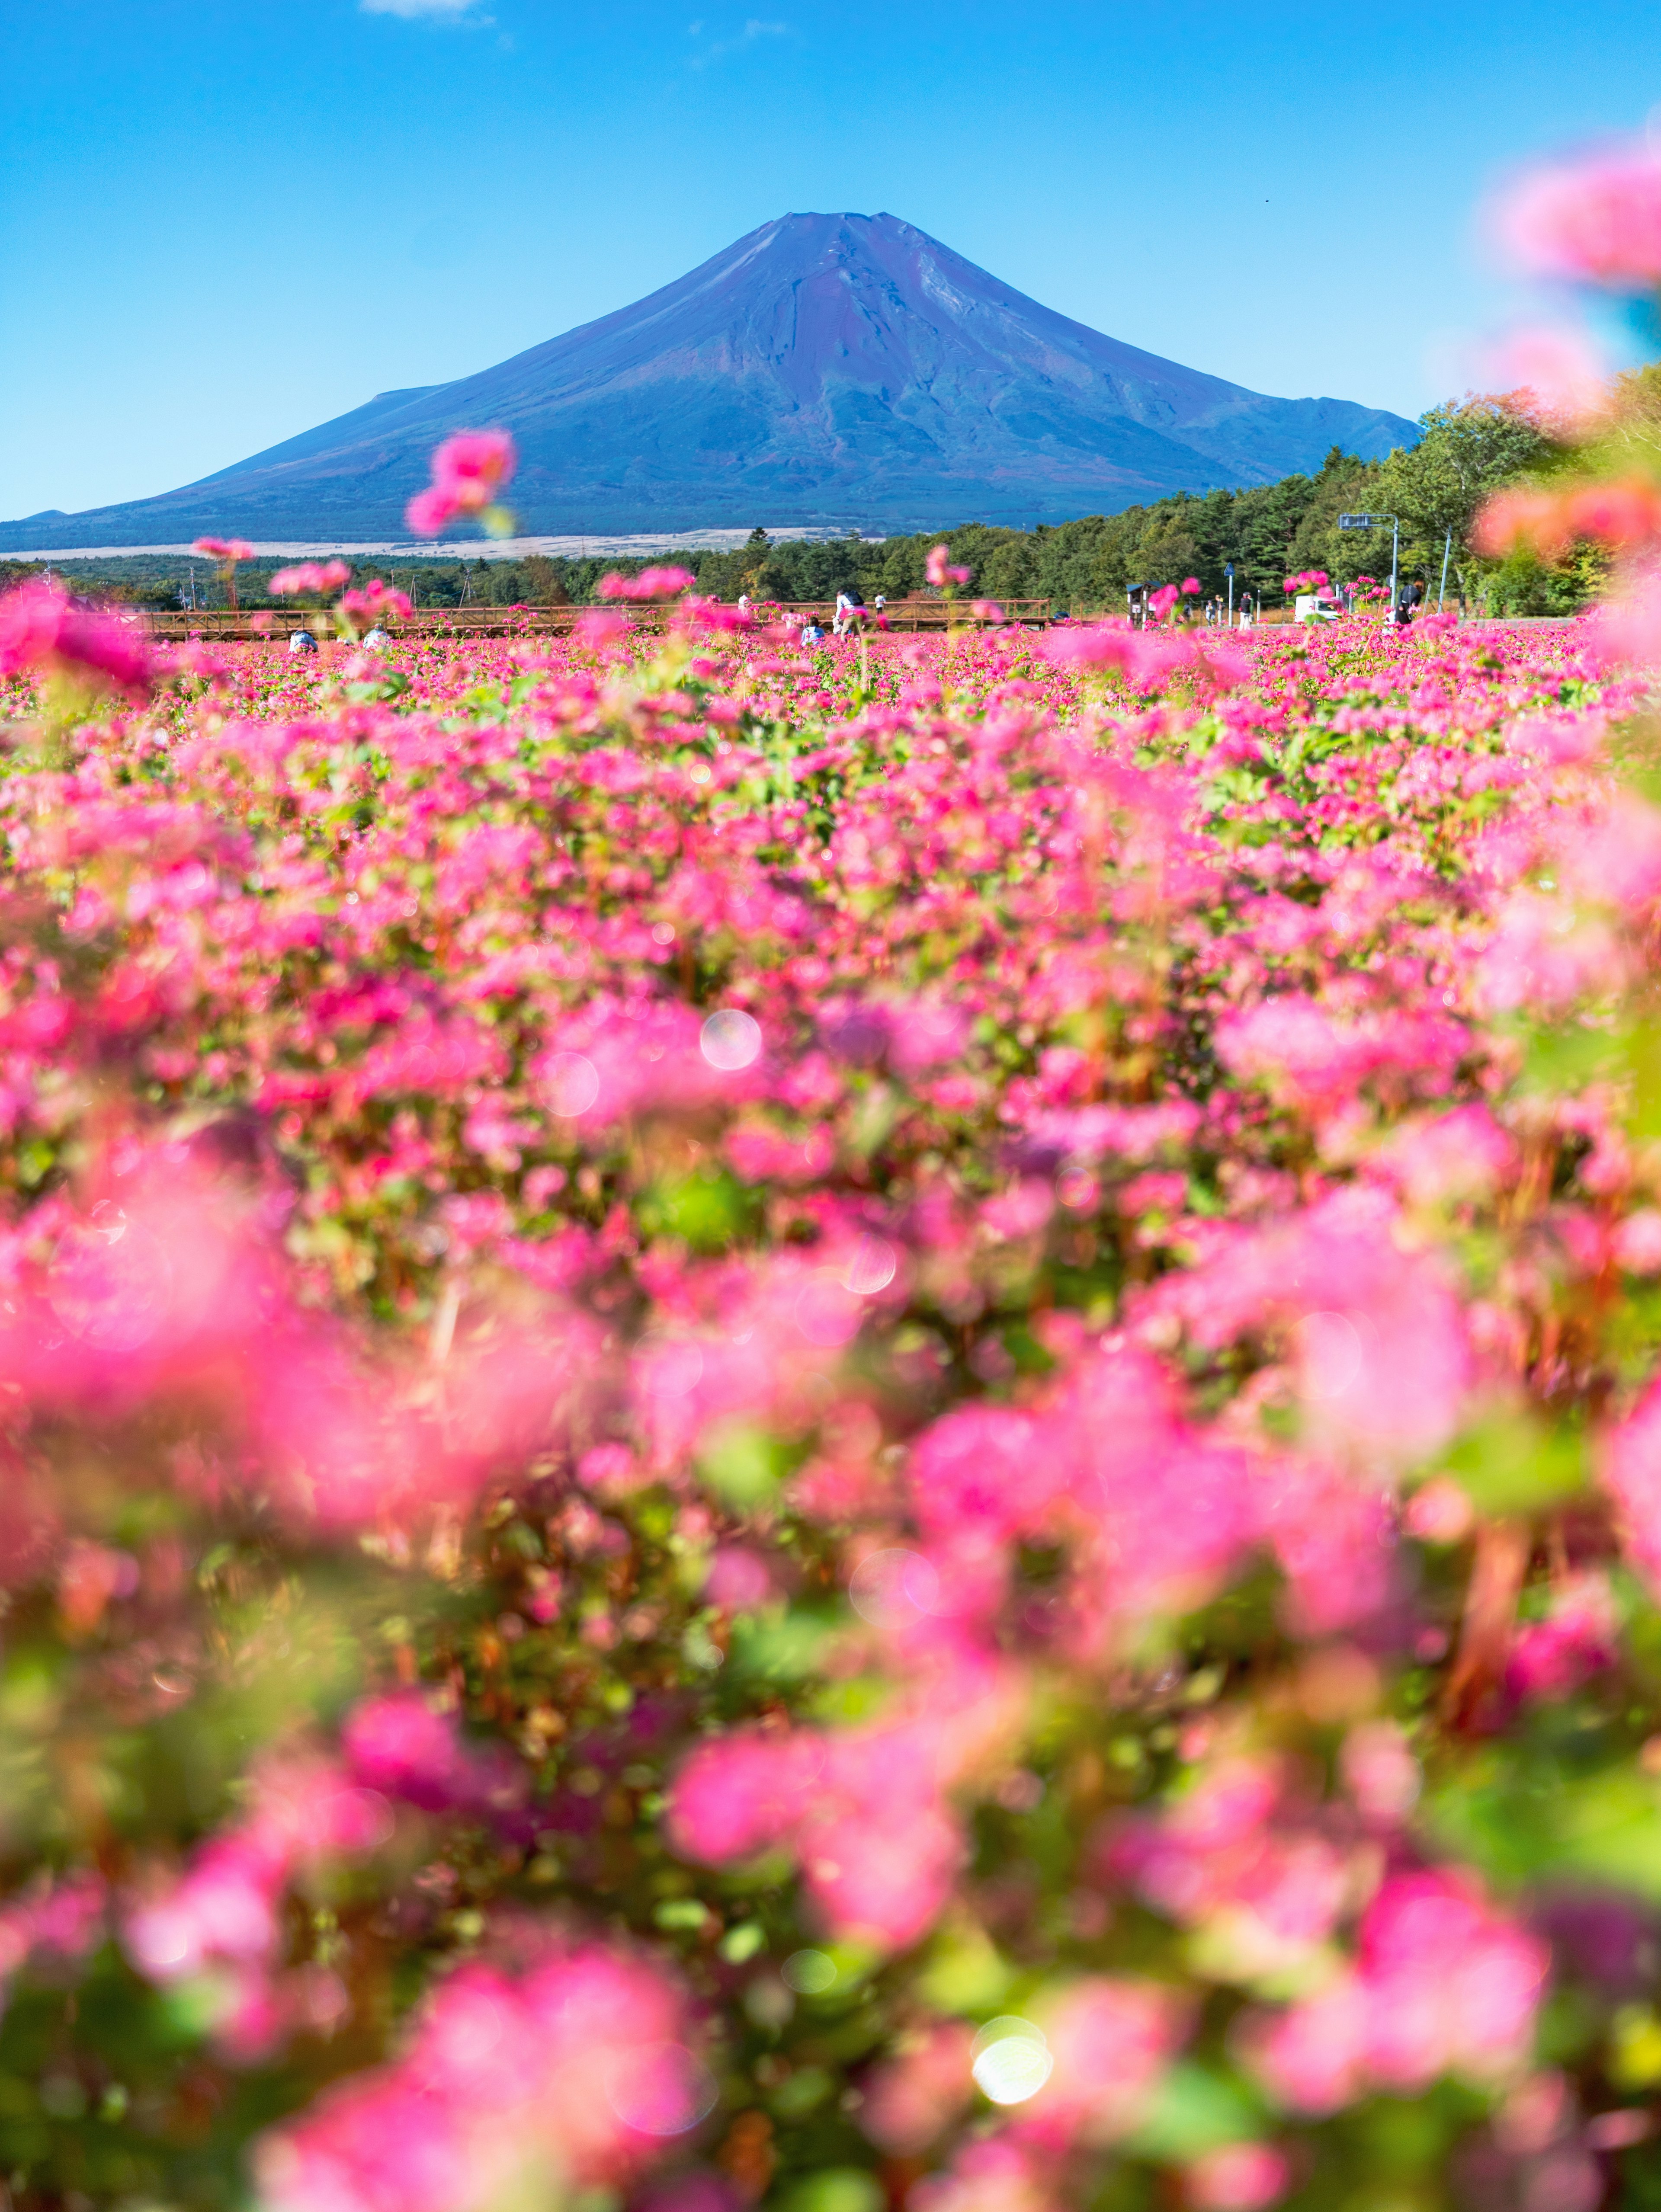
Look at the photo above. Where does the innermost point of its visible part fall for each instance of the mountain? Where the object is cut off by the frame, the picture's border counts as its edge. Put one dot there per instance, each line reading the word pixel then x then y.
pixel 827 368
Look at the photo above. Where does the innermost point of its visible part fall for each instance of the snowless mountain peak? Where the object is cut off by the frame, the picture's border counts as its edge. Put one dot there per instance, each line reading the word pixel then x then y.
pixel 840 368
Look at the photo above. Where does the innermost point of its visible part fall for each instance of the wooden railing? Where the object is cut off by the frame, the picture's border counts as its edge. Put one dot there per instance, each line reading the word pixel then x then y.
pixel 910 615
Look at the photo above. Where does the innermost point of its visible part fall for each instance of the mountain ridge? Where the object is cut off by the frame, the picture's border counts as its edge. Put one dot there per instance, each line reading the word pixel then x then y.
pixel 823 369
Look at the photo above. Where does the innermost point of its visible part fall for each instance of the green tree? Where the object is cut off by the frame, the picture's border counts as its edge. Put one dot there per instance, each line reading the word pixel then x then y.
pixel 1470 447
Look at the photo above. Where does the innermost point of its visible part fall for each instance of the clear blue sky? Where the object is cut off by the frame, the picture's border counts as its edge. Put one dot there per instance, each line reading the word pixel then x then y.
pixel 221 222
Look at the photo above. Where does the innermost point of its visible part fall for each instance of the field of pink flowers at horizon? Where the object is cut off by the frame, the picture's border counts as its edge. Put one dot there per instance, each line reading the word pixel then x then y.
pixel 856 1428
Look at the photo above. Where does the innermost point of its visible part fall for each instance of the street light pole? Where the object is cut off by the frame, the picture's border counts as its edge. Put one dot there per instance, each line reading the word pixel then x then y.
pixel 1228 570
pixel 1377 522
pixel 1394 566
pixel 1441 589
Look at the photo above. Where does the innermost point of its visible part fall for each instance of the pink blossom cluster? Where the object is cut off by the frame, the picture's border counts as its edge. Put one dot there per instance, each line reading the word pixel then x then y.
pixel 567 2073
pixel 1442 1985
pixel 470 472
pixel 1597 219
pixel 43 630
pixel 940 571
pixel 976 1301
pixel 316 577
pixel 665 583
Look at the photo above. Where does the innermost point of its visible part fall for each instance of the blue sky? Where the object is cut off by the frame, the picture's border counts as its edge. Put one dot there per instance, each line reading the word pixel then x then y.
pixel 221 223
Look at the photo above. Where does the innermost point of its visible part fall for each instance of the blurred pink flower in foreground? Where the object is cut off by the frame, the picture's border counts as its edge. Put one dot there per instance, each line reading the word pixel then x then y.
pixel 650 584
pixel 1596 220
pixel 309 576
pixel 400 1746
pixel 375 603
pixel 224 548
pixel 41 628
pixel 865 1811
pixel 1558 369
pixel 1443 1985
pixel 1577 1638
pixel 1628 626
pixel 568 2075
pixel 1625 513
pixel 1243 2177
pixel 1112 2039
pixel 940 571
pixel 469 470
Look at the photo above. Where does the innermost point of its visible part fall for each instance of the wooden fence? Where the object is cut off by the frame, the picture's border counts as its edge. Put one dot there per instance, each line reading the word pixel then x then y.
pixel 907 615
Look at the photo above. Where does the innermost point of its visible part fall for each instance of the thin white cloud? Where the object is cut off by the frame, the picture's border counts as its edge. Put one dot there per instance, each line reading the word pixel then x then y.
pixel 430 11
pixel 753 30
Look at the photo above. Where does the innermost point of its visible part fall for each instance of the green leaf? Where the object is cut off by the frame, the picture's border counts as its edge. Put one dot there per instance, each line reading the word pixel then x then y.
pixel 834 2189
pixel 744 1463
pixel 1196 2110
pixel 1510 1463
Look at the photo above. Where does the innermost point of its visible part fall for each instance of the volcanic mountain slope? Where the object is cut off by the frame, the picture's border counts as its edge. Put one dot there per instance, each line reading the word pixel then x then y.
pixel 827 368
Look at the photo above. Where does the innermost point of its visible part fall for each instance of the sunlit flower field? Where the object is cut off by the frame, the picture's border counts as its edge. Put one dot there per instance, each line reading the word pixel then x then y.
pixel 867 1426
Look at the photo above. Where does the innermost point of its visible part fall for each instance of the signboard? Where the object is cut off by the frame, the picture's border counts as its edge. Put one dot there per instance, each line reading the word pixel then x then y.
pixel 1364 521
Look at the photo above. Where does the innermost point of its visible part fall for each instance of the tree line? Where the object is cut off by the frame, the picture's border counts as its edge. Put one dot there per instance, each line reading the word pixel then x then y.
pixel 1468 448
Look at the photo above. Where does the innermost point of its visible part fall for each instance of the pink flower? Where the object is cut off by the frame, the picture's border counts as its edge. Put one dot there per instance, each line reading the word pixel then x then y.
pixel 1443 1985
pixel 1597 219
pixel 997 2173
pixel 398 1744
pixel 89 1577
pixel 938 569
pixel 232 550
pixel 577 2066
pixel 1638 1243
pixel 739 1580
pixel 1457 1156
pixel 1112 2038
pixel 428 511
pixel 42 627
pixel 1243 2177
pixel 319 576
pixel 1628 625
pixel 650 584
pixel 1557 372
pixel 377 602
pixel 1551 1658
pixel 1380 1772
pixel 741 1793
pixel 474 466
pixel 910 2098
pixel 469 470
pixel 224 1908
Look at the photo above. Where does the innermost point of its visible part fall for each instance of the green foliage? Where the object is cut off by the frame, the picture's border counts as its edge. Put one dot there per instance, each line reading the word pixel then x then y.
pixel 1470 447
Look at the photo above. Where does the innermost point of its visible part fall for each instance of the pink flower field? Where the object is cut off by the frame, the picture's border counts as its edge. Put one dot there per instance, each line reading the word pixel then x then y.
pixel 857 1427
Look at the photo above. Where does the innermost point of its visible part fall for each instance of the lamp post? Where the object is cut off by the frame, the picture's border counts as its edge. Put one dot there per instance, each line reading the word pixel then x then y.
pixel 1377 522
pixel 1228 570
pixel 1441 589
